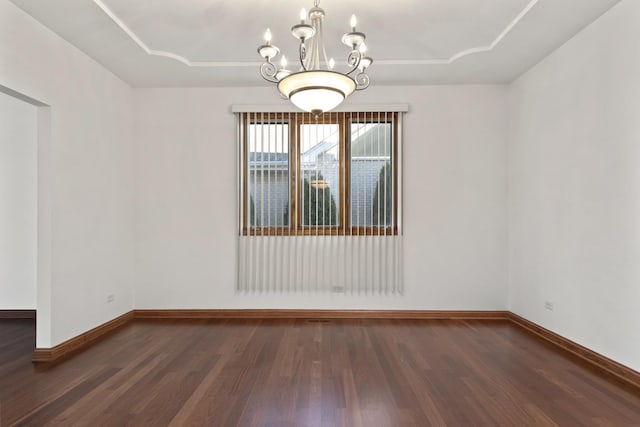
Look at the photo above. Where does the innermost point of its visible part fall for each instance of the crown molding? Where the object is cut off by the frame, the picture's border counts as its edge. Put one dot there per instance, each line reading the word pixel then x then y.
pixel 214 64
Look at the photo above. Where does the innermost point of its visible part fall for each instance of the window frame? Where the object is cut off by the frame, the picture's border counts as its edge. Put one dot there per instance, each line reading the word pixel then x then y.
pixel 344 121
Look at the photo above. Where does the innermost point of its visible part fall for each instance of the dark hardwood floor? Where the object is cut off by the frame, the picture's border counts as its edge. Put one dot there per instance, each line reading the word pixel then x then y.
pixel 309 373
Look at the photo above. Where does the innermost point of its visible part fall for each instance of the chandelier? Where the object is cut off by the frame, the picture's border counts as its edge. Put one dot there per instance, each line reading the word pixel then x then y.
pixel 317 87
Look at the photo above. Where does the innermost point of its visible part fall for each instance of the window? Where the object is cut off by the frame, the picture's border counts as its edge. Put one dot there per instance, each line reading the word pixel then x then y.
pixel 331 175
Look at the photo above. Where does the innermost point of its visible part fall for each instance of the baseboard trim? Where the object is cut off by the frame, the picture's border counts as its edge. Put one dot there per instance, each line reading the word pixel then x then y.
pixel 17 314
pixel 81 341
pixel 72 345
pixel 90 337
pixel 612 367
pixel 321 314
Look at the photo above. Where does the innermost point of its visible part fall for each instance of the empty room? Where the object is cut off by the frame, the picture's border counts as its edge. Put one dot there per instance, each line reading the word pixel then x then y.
pixel 320 213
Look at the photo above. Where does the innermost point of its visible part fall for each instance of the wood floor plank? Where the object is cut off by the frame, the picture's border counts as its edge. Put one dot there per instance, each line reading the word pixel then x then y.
pixel 297 372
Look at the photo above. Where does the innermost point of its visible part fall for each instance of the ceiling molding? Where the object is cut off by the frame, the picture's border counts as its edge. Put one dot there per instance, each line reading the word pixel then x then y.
pixel 212 64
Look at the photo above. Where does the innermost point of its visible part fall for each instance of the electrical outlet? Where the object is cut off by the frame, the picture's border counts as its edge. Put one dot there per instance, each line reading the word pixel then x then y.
pixel 111 298
pixel 337 289
pixel 548 305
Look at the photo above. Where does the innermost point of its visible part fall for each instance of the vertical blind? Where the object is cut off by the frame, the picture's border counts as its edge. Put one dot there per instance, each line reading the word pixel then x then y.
pixel 319 206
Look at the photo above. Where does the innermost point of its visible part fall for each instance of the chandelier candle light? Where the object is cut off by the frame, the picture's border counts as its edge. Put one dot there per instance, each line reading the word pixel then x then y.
pixel 317 87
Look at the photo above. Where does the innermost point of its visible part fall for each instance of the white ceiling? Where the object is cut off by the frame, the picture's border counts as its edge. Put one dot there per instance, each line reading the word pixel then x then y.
pixel 213 42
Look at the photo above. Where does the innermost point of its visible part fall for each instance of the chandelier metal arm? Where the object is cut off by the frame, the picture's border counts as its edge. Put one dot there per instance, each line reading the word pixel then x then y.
pixel 362 80
pixel 353 60
pixel 268 71
pixel 302 51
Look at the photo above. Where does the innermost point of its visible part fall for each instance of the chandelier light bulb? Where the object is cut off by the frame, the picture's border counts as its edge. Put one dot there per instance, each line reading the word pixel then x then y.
pixel 267 36
pixel 362 48
pixel 303 15
pixel 354 22
pixel 332 64
pixel 283 62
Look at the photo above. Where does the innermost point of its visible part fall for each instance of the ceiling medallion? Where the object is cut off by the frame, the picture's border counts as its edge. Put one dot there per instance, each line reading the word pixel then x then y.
pixel 316 87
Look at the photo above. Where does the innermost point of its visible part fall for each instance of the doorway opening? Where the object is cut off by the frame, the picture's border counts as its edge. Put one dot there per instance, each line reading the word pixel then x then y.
pixel 25 217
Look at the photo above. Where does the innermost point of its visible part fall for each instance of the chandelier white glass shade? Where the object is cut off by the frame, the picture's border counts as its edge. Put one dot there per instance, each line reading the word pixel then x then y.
pixel 317 87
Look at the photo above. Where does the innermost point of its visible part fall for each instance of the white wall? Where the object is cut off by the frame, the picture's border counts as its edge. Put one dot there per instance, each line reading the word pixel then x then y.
pixel 574 188
pixel 18 204
pixel 454 192
pixel 89 171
